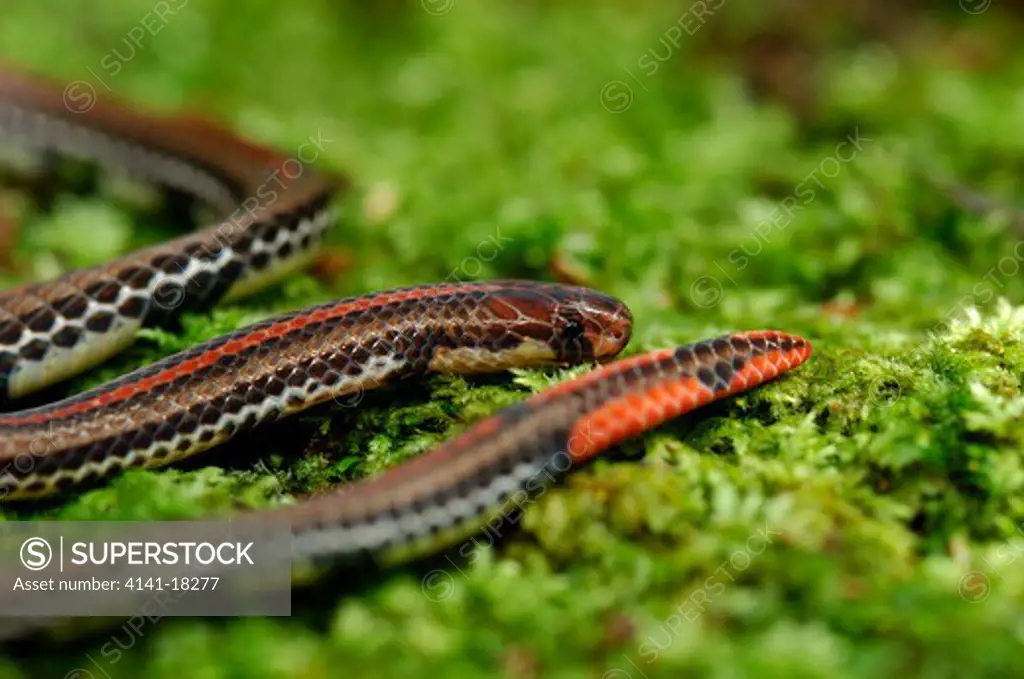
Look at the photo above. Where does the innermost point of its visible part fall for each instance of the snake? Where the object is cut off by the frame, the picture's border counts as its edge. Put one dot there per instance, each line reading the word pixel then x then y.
pixel 273 212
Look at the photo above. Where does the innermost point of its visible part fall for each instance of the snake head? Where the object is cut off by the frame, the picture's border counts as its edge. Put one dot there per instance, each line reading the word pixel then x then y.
pixel 559 324
pixel 522 324
pixel 588 325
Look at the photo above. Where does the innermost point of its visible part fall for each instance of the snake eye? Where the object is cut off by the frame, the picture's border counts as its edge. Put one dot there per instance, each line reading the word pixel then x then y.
pixel 571 339
pixel 572 330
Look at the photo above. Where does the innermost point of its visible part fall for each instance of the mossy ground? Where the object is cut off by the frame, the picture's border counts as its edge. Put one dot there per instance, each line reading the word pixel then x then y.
pixel 862 517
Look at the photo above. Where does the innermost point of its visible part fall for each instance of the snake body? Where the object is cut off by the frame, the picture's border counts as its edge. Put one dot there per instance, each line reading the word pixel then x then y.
pixel 503 462
pixel 198 398
pixel 52 330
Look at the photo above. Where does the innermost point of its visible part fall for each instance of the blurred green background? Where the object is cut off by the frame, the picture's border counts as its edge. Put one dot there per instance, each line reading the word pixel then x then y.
pixel 840 169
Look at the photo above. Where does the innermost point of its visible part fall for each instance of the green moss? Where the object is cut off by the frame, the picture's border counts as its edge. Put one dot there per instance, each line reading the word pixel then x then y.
pixel 861 517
